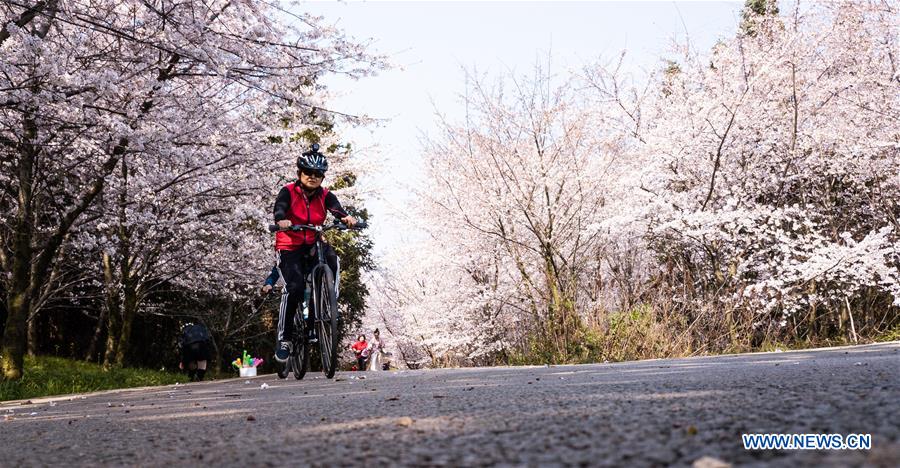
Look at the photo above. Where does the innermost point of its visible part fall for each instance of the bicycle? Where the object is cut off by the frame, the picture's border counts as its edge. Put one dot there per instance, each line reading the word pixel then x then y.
pixel 322 306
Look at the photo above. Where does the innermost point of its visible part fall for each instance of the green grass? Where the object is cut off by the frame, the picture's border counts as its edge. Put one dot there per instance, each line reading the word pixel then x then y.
pixel 891 335
pixel 46 375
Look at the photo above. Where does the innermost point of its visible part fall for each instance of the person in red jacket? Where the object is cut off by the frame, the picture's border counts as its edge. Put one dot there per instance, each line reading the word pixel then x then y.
pixel 360 348
pixel 303 201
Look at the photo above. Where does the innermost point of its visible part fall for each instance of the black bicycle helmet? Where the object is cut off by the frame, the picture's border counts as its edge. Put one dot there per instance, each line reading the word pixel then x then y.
pixel 313 160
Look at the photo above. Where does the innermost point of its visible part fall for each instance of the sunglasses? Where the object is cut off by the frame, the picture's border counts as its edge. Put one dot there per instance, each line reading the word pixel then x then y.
pixel 310 173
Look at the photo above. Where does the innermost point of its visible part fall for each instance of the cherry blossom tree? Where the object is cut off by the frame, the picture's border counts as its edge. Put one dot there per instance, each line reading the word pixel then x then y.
pixel 769 167
pixel 739 195
pixel 438 319
pixel 512 191
pixel 157 95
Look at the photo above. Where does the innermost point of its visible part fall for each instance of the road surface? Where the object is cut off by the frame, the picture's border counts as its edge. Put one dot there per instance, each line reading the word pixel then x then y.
pixel 650 413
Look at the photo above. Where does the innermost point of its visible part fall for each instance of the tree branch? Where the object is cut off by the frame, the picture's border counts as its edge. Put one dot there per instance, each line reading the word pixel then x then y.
pixel 27 16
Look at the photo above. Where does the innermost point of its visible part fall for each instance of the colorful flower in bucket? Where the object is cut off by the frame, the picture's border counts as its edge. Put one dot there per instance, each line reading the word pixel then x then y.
pixel 247 361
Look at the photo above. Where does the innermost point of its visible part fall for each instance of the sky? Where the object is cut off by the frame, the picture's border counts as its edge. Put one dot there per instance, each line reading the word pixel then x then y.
pixel 431 44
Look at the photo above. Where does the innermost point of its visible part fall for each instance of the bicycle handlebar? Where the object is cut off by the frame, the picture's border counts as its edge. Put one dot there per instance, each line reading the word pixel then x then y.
pixel 311 227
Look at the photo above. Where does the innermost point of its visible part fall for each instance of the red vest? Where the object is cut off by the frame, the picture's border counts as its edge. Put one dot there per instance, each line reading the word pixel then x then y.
pixel 303 210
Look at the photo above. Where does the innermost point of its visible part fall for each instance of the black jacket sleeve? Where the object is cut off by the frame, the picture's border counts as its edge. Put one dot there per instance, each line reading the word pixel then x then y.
pixel 282 204
pixel 334 206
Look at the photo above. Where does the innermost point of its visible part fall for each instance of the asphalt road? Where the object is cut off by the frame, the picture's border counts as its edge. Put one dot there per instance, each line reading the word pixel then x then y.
pixel 648 413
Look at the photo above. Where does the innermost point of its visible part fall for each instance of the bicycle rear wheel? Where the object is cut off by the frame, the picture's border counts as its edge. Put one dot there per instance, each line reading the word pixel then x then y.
pixel 327 320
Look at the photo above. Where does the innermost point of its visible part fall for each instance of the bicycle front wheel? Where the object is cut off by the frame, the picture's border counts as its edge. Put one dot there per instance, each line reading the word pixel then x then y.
pixel 327 321
pixel 299 360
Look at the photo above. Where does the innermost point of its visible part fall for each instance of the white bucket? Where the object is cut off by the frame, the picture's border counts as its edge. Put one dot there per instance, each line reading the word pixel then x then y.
pixel 248 372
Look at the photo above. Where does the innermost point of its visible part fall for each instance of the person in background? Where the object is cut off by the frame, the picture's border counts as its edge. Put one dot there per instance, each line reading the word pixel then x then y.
pixel 361 348
pixel 273 278
pixel 275 275
pixel 195 350
pixel 376 347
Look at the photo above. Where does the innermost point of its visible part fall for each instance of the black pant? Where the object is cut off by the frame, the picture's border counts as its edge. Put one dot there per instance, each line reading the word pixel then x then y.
pixel 361 363
pixel 193 352
pixel 294 266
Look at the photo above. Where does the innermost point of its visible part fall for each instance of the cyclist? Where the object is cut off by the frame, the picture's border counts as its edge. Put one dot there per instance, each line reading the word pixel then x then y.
pixel 303 201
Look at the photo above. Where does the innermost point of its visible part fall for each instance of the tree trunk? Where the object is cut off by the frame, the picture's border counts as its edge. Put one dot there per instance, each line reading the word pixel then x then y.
pixel 226 330
pixel 842 320
pixel 12 352
pixel 129 312
pixel 561 317
pixel 112 311
pixel 811 314
pixel 32 347
pixel 129 284
pixel 3 316
pixel 95 338
pixel 112 338
pixel 18 304
pixel 217 355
